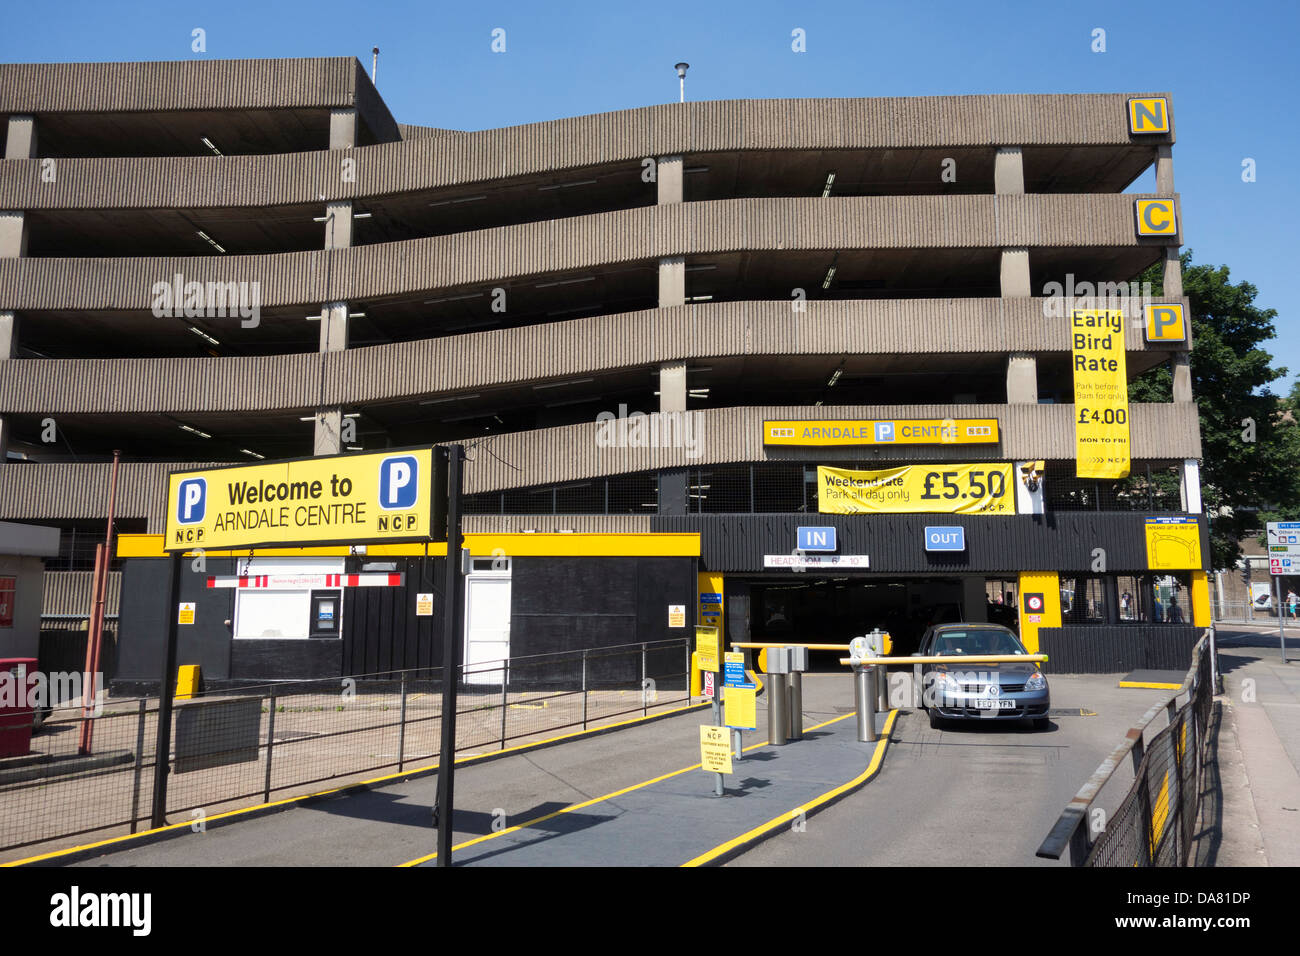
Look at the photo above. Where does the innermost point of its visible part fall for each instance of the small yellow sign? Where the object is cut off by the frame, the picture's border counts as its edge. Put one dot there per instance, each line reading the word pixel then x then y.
pixel 1156 217
pixel 1148 115
pixel 1173 544
pixel 677 615
pixel 715 749
pixel 740 704
pixel 706 648
pixel 424 605
pixel 186 615
pixel 1164 323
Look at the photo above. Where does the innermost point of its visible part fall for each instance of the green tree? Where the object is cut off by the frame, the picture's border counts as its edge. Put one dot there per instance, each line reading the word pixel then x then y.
pixel 1250 445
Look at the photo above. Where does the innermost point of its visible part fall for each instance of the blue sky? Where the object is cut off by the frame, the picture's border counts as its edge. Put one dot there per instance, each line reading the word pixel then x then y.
pixel 1231 70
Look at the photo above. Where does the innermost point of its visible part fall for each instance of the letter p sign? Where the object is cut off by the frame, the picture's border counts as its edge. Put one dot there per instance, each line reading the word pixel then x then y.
pixel 1164 323
pixel 399 485
pixel 191 500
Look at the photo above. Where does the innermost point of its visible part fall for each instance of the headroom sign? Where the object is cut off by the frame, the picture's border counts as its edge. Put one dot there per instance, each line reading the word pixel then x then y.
pixel 342 499
pixel 917 431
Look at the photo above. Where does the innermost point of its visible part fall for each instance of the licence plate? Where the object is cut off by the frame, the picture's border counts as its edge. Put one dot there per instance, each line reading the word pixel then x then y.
pixel 993 703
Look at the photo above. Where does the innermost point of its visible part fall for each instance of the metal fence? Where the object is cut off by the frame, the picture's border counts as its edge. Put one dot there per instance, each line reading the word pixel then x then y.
pixel 1155 822
pixel 238 748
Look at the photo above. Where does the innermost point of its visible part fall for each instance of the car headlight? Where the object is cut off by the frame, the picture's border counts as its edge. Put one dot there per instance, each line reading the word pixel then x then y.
pixel 946 684
pixel 1036 682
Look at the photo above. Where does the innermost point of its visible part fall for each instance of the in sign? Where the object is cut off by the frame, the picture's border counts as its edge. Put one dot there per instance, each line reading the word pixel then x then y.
pixel 945 538
pixel 816 539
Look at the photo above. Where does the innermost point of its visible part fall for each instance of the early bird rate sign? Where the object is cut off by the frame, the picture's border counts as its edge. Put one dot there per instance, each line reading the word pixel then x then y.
pixel 375 497
pixel 1097 355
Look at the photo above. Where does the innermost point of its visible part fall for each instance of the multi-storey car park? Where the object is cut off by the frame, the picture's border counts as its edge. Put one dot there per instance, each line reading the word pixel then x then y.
pixel 724 264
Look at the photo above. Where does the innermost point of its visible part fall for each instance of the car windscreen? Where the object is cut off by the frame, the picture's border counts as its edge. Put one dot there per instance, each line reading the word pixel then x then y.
pixel 977 640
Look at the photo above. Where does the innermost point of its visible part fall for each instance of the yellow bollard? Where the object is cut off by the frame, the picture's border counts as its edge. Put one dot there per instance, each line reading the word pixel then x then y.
pixel 187 681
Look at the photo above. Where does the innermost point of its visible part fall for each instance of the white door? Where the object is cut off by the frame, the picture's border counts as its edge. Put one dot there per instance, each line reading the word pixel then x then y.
pixel 487 627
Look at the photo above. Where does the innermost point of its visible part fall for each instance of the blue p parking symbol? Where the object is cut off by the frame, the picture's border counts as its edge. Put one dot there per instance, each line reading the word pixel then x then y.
pixel 884 431
pixel 191 501
pixel 399 484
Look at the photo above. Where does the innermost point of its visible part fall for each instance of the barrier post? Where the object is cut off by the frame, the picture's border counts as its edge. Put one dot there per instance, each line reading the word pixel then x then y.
pixel 864 702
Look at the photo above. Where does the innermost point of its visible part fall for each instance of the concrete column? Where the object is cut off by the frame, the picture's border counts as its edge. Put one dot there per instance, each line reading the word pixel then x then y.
pixel 343 129
pixel 670 177
pixel 672 387
pixel 1022 379
pixel 1172 277
pixel 334 315
pixel 1181 366
pixel 20 143
pixel 20 140
pixel 13 234
pixel 333 338
pixel 672 281
pixel 338 225
pixel 8 335
pixel 1015 273
pixel 1164 171
pixel 329 428
pixel 1009 171
pixel 334 327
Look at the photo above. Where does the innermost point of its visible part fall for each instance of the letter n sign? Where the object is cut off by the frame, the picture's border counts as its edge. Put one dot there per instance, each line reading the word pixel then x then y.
pixel 1148 115
pixel 817 539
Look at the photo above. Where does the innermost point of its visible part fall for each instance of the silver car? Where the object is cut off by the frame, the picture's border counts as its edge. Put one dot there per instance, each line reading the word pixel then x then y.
pixel 1012 690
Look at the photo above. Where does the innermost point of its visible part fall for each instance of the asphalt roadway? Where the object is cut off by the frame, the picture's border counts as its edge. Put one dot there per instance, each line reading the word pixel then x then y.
pixel 980 795
pixel 971 794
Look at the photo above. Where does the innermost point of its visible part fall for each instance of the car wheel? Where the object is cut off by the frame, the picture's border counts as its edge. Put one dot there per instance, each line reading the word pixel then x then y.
pixel 935 720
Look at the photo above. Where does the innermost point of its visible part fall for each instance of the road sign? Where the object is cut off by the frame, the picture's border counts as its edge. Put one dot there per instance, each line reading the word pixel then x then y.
pixel 733 669
pixel 373 497
pixel 816 539
pixel 945 538
pixel 708 684
pixel 715 749
pixel 1283 547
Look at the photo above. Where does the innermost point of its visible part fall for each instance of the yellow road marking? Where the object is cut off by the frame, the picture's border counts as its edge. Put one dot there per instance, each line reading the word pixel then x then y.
pixel 803 808
pixel 595 800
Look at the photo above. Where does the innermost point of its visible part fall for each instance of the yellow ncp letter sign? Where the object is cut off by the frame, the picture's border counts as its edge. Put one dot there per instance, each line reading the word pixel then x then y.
pixel 377 497
pixel 1100 393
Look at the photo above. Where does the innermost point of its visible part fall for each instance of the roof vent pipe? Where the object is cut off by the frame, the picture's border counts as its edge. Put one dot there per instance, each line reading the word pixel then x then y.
pixel 374 63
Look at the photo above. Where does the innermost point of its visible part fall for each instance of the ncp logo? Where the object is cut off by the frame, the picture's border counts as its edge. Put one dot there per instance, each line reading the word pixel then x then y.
pixel 191 500
pixel 884 431
pixel 399 484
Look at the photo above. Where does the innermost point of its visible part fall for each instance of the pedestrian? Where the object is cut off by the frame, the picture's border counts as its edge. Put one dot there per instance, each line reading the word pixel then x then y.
pixel 1175 612
pixel 1124 601
pixel 1292 601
